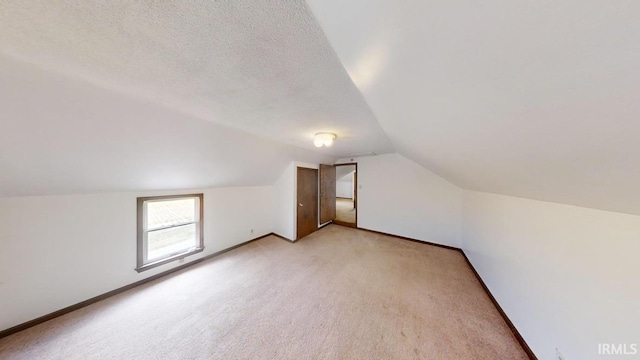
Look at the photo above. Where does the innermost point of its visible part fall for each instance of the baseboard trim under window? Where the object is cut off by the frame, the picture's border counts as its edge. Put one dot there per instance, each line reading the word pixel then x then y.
pixel 34 322
pixel 169 259
pixel 68 309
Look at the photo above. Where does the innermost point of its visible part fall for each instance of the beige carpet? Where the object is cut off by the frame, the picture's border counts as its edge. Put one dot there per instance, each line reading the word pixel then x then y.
pixel 340 293
pixel 345 211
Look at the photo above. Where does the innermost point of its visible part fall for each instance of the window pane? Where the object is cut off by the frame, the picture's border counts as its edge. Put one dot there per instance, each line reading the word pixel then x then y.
pixel 170 241
pixel 170 212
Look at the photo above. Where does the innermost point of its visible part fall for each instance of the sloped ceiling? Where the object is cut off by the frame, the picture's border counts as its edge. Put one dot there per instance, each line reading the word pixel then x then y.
pixel 532 99
pixel 344 172
pixel 536 99
pixel 262 67
pixel 142 95
pixel 61 136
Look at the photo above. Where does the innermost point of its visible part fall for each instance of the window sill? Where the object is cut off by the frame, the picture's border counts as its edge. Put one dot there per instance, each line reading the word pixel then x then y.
pixel 168 260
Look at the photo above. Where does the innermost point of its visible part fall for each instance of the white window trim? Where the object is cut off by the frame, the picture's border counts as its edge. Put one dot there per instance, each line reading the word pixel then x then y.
pixel 142 262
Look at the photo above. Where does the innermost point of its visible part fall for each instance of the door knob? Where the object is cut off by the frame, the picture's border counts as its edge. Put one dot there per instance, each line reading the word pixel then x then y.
pixel 300 204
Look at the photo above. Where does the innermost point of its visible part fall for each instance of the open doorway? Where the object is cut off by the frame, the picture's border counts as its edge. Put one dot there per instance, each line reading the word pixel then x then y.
pixel 347 194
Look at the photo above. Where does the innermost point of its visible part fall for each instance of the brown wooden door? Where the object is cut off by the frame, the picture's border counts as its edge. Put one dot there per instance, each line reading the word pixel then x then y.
pixel 307 213
pixel 327 193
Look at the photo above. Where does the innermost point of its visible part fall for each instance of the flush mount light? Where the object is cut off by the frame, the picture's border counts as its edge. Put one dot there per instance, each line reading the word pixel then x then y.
pixel 324 139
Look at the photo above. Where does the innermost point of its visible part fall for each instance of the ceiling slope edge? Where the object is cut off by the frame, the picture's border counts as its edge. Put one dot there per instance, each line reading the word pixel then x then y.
pixel 62 135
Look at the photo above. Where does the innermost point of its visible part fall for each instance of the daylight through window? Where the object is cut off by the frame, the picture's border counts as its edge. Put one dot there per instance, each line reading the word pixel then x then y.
pixel 169 228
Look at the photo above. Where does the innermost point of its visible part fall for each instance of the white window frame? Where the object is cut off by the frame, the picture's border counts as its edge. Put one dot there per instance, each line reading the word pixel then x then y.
pixel 143 263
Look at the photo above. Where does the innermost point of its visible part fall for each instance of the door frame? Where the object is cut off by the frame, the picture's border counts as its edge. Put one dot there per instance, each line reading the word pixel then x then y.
pixel 355 195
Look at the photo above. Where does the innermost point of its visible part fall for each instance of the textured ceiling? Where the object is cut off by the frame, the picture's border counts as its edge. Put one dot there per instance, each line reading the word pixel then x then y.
pixel 61 136
pixel 532 99
pixel 263 67
pixel 536 99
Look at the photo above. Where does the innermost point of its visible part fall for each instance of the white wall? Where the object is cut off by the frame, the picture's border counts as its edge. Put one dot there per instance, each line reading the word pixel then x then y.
pixel 286 200
pixel 284 204
pixel 344 188
pixel 345 181
pixel 398 196
pixel 60 250
pixel 568 277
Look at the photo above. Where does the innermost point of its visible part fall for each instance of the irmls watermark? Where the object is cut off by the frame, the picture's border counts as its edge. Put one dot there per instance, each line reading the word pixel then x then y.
pixel 617 349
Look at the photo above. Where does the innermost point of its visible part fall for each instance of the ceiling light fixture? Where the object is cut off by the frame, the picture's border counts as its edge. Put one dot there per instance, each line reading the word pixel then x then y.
pixel 324 139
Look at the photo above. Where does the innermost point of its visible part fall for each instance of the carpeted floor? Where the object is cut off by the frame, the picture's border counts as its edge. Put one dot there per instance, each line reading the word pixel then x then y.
pixel 345 211
pixel 340 293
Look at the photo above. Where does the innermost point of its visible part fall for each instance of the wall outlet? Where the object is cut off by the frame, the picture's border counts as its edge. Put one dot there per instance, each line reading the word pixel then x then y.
pixel 559 355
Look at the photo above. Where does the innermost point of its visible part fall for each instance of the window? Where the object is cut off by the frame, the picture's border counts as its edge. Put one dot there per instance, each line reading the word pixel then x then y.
pixel 169 228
